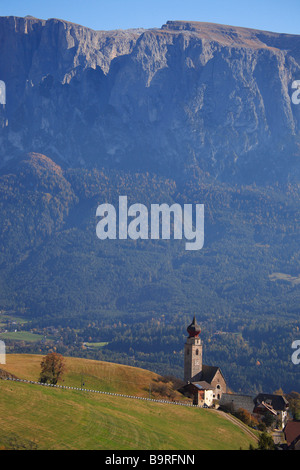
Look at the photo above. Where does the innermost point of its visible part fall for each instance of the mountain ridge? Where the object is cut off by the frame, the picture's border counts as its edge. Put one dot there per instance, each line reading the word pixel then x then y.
pixel 215 97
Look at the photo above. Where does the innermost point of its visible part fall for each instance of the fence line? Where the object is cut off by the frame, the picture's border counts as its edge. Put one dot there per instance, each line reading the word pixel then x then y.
pixel 66 387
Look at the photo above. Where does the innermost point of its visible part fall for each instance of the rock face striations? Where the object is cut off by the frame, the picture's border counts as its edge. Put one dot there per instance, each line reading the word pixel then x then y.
pixel 171 100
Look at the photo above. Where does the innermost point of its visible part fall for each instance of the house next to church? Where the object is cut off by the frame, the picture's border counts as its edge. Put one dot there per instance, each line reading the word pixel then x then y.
pixel 204 383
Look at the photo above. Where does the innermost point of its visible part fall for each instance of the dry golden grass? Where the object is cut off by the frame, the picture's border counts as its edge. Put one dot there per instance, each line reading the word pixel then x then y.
pixel 96 375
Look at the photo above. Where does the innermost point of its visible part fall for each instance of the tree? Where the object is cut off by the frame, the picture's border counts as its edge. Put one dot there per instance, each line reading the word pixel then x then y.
pixel 294 404
pixel 266 442
pixel 52 368
pixel 269 419
pixel 246 417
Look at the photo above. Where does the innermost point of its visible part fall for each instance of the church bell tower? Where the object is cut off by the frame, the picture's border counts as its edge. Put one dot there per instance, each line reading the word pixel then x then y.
pixel 193 354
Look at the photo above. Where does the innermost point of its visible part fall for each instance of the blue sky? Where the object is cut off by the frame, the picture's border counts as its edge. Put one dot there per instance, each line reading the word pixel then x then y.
pixel 272 15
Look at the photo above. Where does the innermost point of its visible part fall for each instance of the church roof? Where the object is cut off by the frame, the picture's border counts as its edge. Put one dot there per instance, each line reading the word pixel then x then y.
pixel 194 329
pixel 209 372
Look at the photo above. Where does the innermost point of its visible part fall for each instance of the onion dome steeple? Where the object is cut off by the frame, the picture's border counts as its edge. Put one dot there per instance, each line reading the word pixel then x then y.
pixel 193 329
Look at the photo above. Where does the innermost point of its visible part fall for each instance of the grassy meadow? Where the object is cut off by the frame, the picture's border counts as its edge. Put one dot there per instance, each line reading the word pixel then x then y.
pixel 49 418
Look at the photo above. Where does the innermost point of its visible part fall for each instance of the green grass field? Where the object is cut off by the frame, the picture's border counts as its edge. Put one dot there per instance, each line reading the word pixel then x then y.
pixel 21 336
pixel 69 419
pixel 95 345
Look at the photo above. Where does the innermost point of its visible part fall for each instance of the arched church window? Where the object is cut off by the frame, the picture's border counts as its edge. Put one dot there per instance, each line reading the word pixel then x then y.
pixel 197 352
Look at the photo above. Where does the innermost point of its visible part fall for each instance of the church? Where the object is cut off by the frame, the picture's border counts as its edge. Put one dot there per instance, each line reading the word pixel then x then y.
pixel 205 384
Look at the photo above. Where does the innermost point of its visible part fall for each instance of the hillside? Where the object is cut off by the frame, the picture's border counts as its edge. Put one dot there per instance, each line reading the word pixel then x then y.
pixel 65 419
pixel 59 281
pixel 96 375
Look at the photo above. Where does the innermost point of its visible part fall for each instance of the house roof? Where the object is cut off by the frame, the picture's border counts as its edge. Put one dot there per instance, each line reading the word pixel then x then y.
pixel 292 431
pixel 202 385
pixel 278 402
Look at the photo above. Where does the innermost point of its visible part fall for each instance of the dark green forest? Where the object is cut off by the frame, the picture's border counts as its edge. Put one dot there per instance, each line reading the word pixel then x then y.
pixel 58 280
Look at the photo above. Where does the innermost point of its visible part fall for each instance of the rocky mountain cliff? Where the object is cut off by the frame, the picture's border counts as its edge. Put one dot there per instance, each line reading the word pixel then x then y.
pixel 183 97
